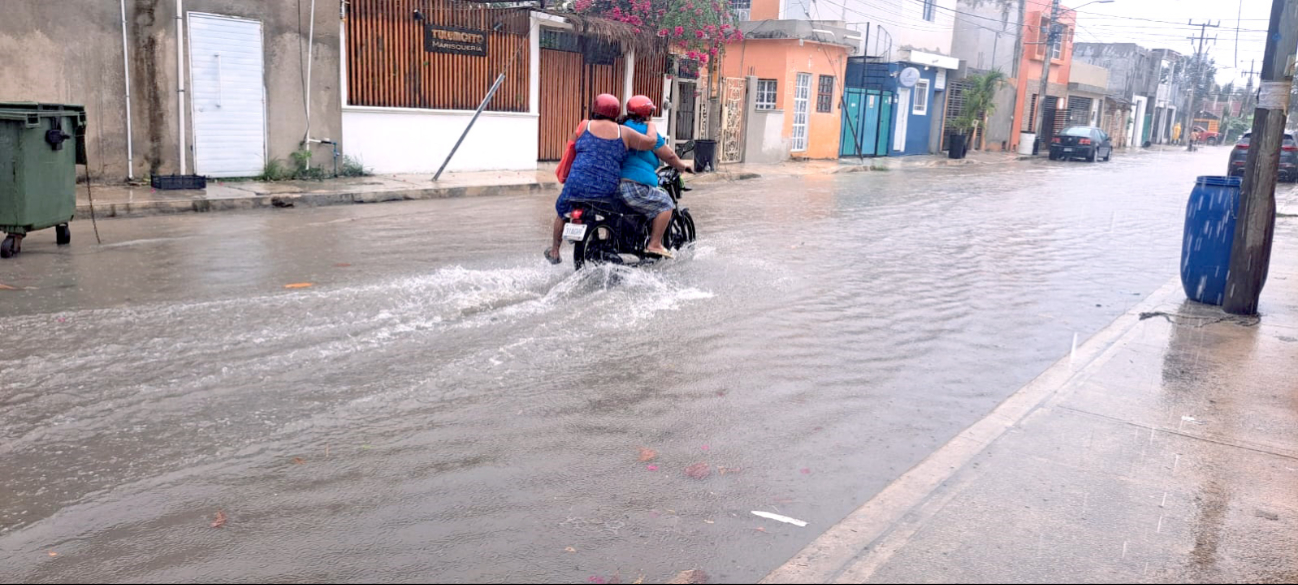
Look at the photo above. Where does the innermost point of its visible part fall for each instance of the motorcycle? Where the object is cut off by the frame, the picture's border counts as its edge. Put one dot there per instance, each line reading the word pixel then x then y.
pixel 608 233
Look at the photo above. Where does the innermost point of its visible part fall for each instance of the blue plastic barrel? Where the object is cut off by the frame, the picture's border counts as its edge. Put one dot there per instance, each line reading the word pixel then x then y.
pixel 1209 236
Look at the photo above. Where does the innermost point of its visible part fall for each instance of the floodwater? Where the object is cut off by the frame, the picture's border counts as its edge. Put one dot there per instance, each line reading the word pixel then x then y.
pixel 442 405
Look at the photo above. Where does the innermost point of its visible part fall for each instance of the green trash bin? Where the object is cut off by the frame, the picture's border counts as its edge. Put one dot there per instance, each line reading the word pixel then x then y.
pixel 40 148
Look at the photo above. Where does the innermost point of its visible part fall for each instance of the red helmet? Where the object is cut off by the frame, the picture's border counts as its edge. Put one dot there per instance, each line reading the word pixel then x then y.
pixel 607 105
pixel 640 106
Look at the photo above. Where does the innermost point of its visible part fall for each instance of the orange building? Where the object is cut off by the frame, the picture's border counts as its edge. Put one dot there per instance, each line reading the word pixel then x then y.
pixel 798 66
pixel 1035 29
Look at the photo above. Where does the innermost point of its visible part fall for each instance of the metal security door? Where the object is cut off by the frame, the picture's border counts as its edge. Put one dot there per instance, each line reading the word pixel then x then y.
pixel 228 96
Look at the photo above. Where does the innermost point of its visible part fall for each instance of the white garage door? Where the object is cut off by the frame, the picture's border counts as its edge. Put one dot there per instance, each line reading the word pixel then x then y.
pixel 227 95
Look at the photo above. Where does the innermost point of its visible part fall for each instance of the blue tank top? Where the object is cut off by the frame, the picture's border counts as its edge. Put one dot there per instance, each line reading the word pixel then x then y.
pixel 594 173
pixel 641 166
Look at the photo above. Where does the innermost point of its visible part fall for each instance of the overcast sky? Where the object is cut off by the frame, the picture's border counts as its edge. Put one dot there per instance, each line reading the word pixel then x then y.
pixel 1165 24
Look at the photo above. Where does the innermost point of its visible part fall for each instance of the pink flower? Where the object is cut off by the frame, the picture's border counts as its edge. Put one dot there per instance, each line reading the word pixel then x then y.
pixel 680 30
pixel 711 29
pixel 637 30
pixel 692 54
pixel 725 28
pixel 698 12
pixel 713 52
pixel 703 58
pixel 662 32
pixel 698 33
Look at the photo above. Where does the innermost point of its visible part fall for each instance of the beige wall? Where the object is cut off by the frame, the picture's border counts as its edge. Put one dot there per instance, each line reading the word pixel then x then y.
pixel 71 52
pixel 1087 74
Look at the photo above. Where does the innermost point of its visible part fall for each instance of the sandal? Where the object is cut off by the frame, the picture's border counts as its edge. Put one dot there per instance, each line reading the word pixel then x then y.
pixel 665 254
pixel 556 260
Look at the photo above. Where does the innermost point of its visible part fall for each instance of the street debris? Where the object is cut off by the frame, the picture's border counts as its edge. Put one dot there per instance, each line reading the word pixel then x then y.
pixel 342 265
pixel 54 554
pixel 569 549
pixel 299 461
pixel 690 577
pixel 698 471
pixel 220 519
pixel 300 285
pixel 724 470
pixel 705 447
pixel 806 470
pixel 651 467
pixel 7 287
pixel 779 518
pixel 647 454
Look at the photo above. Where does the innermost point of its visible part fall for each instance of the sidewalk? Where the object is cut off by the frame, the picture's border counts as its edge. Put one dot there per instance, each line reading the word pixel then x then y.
pixel 1164 450
pixel 129 201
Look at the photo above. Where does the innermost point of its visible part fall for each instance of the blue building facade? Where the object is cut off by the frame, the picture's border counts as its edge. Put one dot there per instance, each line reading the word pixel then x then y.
pixel 910 117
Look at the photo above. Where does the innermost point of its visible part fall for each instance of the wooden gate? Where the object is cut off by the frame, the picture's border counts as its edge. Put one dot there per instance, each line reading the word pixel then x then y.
pixel 573 71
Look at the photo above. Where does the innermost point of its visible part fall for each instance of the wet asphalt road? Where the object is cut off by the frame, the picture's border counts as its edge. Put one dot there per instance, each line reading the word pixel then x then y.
pixel 443 405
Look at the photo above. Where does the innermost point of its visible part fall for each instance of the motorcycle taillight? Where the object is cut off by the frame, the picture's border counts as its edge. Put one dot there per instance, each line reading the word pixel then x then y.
pixel 576 215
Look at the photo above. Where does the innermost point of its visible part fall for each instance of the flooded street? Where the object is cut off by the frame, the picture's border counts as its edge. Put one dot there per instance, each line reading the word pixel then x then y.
pixel 443 405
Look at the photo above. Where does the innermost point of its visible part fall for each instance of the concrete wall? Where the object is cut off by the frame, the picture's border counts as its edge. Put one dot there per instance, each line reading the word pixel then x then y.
pixel 394 140
pixel 1130 67
pixel 1087 74
pixel 985 31
pixel 56 53
pixel 997 134
pixel 766 142
pixel 901 21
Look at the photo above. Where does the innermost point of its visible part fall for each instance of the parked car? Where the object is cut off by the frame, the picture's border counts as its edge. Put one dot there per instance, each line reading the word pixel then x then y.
pixel 1288 157
pixel 1085 142
pixel 1203 136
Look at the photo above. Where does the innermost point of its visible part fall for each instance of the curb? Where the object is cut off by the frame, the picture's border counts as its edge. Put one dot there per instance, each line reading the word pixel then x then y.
pixel 306 199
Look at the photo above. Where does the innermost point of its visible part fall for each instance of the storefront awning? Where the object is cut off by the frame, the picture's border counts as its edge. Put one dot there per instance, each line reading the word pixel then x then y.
pixel 931 59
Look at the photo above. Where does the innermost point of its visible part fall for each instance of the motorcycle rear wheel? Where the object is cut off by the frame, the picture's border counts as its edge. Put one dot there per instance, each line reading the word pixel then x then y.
pixel 599 246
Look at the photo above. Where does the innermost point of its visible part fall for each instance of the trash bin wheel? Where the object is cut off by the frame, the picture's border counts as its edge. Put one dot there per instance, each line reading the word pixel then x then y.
pixel 9 247
pixel 62 234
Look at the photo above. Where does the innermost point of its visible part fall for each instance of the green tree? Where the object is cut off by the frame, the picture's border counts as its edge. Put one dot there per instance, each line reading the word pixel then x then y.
pixel 979 103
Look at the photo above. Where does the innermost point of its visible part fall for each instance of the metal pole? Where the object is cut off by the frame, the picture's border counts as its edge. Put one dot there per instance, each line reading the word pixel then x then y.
pixel 180 84
pixel 306 90
pixel 499 79
pixel 126 67
pixel 1250 256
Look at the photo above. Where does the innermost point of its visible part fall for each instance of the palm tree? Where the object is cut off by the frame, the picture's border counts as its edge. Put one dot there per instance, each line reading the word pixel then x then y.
pixel 979 102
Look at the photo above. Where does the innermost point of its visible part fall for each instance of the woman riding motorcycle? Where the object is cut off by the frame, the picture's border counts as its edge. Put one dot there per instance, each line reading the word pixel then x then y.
pixel 639 188
pixel 602 145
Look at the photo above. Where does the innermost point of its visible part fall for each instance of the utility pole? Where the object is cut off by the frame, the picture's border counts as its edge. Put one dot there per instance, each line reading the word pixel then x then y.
pixel 1248 93
pixel 1018 62
pixel 1193 110
pixel 1250 256
pixel 1051 37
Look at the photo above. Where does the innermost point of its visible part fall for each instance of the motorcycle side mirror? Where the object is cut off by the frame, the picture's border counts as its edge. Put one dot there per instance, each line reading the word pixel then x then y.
pixel 666 105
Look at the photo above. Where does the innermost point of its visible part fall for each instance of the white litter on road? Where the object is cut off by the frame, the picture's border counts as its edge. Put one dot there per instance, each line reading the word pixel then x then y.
pixel 779 518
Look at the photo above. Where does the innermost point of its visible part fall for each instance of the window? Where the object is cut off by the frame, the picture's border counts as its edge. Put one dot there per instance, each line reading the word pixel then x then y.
pixel 930 10
pixel 766 94
pixel 741 9
pixel 825 97
pixel 921 98
pixel 1057 49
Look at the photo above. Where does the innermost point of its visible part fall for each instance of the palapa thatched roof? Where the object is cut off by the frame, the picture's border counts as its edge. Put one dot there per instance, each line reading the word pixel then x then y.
pixel 644 42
